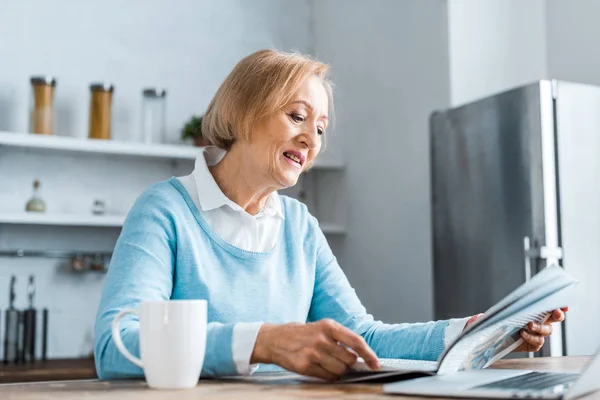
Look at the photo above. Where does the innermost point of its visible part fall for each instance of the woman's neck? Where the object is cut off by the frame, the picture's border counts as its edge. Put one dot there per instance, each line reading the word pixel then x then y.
pixel 232 177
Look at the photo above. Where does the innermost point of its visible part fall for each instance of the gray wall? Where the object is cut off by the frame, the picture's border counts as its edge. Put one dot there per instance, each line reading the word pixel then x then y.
pixel 498 44
pixel 495 45
pixel 187 46
pixel 573 36
pixel 390 67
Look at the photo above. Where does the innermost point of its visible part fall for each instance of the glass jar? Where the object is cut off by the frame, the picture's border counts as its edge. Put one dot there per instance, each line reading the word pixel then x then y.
pixel 97 263
pixel 153 115
pixel 99 207
pixel 78 262
pixel 100 110
pixel 42 105
pixel 36 203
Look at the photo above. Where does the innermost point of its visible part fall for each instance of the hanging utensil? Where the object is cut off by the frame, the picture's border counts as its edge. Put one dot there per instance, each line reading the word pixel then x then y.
pixel 44 334
pixel 29 324
pixel 11 335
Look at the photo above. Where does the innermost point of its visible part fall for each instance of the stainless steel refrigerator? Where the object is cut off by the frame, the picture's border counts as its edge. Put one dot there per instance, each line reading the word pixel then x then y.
pixel 515 187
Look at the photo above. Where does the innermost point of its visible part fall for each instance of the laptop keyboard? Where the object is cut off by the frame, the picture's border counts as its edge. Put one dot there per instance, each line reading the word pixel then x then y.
pixel 533 381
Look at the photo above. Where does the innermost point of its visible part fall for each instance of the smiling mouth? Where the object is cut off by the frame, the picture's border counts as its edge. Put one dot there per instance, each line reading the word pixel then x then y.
pixel 292 157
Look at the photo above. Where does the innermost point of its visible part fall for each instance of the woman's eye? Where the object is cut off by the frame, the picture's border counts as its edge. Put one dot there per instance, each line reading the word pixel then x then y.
pixel 297 117
pixel 319 131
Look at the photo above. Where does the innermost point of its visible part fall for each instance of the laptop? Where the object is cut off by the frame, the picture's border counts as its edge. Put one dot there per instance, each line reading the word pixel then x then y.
pixel 504 384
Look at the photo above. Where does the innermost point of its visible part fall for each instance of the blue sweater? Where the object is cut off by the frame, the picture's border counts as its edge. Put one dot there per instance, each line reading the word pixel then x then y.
pixel 167 251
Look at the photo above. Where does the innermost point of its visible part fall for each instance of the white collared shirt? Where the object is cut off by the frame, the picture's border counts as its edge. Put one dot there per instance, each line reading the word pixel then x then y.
pixel 257 233
pixel 229 220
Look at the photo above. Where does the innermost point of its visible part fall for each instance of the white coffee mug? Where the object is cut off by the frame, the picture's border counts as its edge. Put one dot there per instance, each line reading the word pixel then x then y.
pixel 172 341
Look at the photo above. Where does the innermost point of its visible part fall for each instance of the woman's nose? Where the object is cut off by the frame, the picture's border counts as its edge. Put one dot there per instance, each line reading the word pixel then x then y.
pixel 310 139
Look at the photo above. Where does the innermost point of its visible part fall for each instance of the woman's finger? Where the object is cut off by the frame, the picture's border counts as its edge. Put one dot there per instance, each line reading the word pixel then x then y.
pixel 534 341
pixel 557 316
pixel 343 354
pixel 540 329
pixel 319 372
pixel 333 365
pixel 344 335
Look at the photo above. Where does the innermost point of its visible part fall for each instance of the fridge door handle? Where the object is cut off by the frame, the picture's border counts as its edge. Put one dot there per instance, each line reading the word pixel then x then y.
pixel 527 252
pixel 552 255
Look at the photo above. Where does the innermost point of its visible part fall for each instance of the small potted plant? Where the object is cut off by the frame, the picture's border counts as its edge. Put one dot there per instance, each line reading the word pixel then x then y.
pixel 193 130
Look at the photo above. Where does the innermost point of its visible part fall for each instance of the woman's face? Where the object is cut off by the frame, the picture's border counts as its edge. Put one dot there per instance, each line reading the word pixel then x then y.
pixel 286 143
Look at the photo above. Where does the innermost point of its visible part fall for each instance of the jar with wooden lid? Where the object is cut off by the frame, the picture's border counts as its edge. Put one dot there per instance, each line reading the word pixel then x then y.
pixel 100 110
pixel 42 105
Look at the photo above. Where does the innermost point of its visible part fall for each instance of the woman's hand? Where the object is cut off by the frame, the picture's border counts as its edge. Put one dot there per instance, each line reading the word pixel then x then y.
pixel 535 333
pixel 312 349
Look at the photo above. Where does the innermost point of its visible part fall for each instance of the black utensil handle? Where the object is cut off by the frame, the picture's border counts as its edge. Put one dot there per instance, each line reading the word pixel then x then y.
pixel 33 335
pixel 6 337
pixel 44 334
pixel 21 337
pixel 25 339
pixel 29 335
pixel 11 336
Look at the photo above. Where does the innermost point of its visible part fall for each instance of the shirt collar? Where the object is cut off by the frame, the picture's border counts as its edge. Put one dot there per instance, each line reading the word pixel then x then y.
pixel 211 196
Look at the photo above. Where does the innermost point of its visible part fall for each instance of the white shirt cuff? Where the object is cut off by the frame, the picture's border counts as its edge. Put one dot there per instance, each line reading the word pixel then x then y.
pixel 454 328
pixel 244 338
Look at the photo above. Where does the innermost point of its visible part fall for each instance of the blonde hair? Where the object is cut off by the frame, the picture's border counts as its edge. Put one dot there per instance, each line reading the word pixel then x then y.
pixel 259 85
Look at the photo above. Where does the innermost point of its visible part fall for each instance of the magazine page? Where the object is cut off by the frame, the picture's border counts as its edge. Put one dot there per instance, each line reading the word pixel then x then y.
pixel 483 347
pixel 395 364
pixel 546 281
pixel 555 279
pixel 503 337
pixel 508 339
pixel 479 348
pixel 549 279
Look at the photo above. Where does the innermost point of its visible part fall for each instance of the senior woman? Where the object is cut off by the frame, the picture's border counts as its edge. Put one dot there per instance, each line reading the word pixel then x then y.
pixel 276 294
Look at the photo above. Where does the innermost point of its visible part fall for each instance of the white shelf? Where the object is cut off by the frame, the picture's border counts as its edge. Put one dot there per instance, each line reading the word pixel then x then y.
pixel 111 221
pixel 33 218
pixel 333 229
pixel 112 147
pixel 98 146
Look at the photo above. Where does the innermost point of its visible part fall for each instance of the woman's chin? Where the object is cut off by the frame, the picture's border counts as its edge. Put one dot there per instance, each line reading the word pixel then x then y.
pixel 291 182
pixel 288 179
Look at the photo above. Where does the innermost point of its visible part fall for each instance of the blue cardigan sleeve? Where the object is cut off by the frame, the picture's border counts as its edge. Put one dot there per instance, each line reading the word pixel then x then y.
pixel 335 298
pixel 142 268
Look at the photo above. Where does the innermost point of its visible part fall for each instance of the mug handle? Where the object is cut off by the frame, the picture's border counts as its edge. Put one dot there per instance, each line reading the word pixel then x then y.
pixel 117 337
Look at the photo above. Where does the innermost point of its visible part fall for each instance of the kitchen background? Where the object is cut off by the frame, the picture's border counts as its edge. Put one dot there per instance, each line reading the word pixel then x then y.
pixel 393 63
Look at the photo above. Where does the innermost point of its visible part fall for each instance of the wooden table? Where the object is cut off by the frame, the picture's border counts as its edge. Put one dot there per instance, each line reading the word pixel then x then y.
pixel 210 389
pixel 51 370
